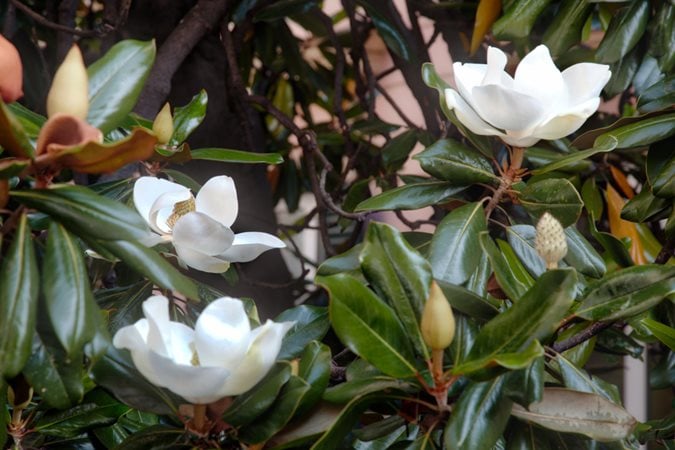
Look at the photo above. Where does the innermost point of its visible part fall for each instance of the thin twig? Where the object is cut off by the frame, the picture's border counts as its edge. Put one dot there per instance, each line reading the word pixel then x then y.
pixel 394 105
pixel 333 207
pixel 585 335
pixel 105 29
pixel 667 252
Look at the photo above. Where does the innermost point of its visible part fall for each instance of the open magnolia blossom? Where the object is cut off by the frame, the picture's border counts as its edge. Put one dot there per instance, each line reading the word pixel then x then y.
pixel 539 102
pixel 221 357
pixel 199 227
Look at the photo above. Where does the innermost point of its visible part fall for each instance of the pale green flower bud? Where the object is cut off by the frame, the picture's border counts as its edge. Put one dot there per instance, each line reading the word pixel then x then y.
pixel 69 93
pixel 438 322
pixel 163 125
pixel 550 241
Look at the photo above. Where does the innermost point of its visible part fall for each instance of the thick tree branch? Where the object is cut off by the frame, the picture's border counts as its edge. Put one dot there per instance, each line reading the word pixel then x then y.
pixel 200 20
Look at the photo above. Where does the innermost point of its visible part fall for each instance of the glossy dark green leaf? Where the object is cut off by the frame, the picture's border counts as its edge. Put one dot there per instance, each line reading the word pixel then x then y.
pixel 343 423
pixel 526 385
pixel 580 353
pixel 116 80
pixel 66 290
pixel 55 375
pixel 578 379
pixel 479 417
pixel 513 286
pixel 644 206
pixel 148 262
pixel 30 121
pixel 13 137
pixel 399 275
pixel 648 74
pixel 556 196
pixel 465 301
pixel 582 256
pixel 311 323
pixel 396 151
pixel 663 185
pixel 314 368
pixel 156 437
pixel 518 19
pixel 509 339
pixel 411 196
pixel 187 118
pixel 279 414
pixel 627 292
pixel 592 198
pixel 540 157
pixel 433 80
pixel 615 249
pixel 521 238
pixel 625 30
pixel 455 251
pixel 466 331
pixel 384 432
pixel 251 404
pixel 663 332
pixel 449 160
pixel 73 421
pixel 579 412
pixel 85 213
pixel 388 31
pixel 350 389
pixel 637 134
pixel 658 96
pixel 12 167
pixel 117 373
pixel 623 72
pixel 343 262
pixel 477 283
pixel 236 156
pixel 18 299
pixel 369 327
pixel 615 342
pixel 565 30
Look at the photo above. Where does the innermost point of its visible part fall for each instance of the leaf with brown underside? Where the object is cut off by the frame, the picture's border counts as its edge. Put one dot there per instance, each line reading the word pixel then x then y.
pixel 623 228
pixel 93 157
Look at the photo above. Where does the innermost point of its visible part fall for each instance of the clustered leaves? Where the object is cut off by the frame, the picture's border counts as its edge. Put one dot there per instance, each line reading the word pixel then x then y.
pixel 472 329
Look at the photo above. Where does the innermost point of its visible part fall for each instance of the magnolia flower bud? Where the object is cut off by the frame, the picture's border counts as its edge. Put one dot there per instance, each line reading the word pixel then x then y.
pixel 438 322
pixel 163 125
pixel 69 93
pixel 550 241
pixel 11 72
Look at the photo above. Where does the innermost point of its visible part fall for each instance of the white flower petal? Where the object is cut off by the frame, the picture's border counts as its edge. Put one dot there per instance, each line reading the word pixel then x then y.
pixel 196 384
pixel 202 233
pixel 520 139
pixel 496 62
pixel 538 77
pixel 259 360
pixel 569 121
pixel 585 81
pixel 156 311
pixel 218 199
pixel 222 333
pixel 200 261
pixel 162 209
pixel 507 109
pixel 468 76
pixel 248 246
pixel 468 116
pixel 148 189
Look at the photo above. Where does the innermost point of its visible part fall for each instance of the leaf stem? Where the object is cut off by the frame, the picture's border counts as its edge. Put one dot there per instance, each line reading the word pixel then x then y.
pixel 509 176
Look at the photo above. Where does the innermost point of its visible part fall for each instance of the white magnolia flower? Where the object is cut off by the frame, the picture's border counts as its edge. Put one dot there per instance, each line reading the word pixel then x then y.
pixel 221 357
pixel 540 102
pixel 200 227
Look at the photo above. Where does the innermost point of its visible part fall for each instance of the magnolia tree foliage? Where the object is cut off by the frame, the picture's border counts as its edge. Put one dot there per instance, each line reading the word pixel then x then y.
pixel 552 243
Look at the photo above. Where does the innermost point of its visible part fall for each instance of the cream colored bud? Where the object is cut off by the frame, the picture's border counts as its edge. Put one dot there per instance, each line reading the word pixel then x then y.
pixel 550 241
pixel 69 93
pixel 438 322
pixel 163 125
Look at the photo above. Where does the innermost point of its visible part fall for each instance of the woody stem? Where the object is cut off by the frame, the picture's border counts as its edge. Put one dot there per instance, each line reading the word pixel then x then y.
pixel 507 180
pixel 199 417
